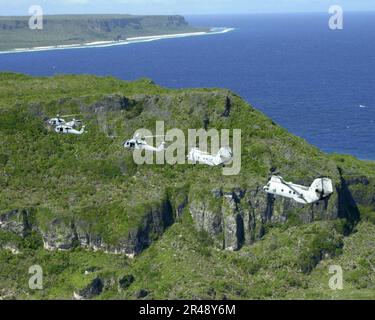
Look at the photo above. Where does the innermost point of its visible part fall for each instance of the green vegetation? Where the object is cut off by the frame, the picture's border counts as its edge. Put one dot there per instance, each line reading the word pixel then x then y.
pixel 181 265
pixel 79 29
pixel 68 189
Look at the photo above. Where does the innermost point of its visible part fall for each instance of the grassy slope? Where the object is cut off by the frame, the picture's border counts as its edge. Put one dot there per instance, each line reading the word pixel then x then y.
pixel 105 187
pixel 76 29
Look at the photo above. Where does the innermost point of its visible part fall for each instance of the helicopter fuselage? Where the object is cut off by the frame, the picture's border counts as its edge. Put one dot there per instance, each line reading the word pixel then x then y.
pixel 69 130
pixel 198 156
pixel 319 190
pixel 139 144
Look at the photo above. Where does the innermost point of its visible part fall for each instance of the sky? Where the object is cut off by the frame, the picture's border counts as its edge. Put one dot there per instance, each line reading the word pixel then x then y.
pixel 184 7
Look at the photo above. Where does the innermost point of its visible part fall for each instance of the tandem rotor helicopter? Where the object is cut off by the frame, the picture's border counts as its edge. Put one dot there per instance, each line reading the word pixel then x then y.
pixel 139 143
pixel 223 157
pixel 61 126
pixel 319 190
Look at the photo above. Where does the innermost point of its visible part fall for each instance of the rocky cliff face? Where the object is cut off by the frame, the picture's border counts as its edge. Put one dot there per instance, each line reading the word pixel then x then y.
pixel 234 219
pixel 98 23
pixel 65 234
pixel 18 221
pixel 137 23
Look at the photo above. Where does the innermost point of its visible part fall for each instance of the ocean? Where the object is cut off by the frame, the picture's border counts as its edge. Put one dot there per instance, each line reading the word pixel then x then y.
pixel 316 82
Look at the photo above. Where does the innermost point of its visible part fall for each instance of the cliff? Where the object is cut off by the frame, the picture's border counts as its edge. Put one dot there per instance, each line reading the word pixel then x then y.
pixel 85 197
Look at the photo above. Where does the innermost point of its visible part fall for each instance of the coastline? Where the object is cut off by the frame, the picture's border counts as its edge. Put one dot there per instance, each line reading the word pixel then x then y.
pixel 132 40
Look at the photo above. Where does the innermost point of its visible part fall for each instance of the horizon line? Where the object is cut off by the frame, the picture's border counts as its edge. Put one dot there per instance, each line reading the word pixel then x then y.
pixel 194 14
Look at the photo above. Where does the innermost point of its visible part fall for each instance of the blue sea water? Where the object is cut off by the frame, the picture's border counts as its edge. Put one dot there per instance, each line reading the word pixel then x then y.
pixel 306 77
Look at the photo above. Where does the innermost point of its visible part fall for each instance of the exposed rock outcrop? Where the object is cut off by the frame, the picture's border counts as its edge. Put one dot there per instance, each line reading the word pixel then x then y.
pixel 114 102
pixel 19 222
pixel 68 233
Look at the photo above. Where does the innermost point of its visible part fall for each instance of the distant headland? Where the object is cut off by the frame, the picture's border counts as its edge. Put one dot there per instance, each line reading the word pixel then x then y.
pixel 80 31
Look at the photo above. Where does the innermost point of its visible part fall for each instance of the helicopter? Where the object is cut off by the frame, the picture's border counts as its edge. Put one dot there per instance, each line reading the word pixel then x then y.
pixel 59 120
pixel 65 129
pixel 319 190
pixel 223 157
pixel 138 143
